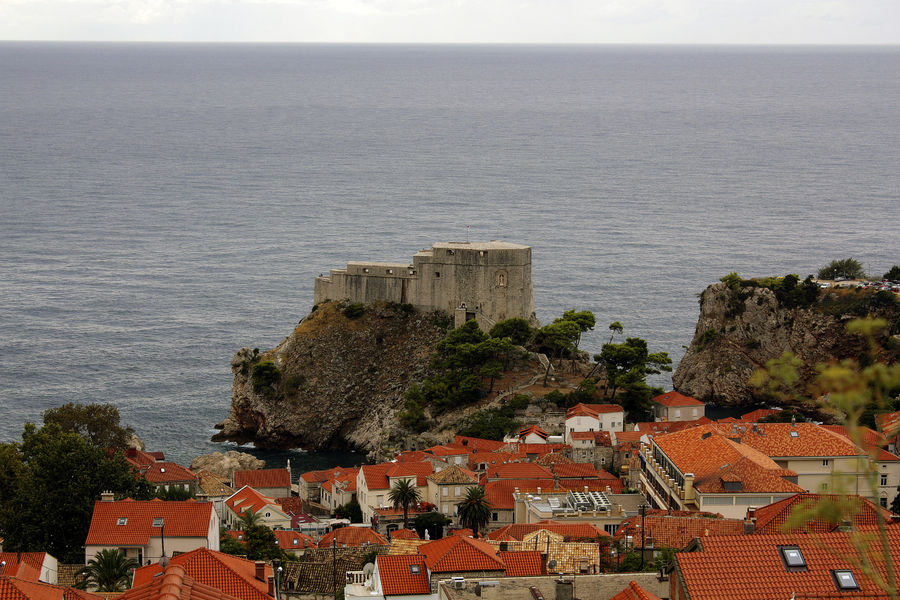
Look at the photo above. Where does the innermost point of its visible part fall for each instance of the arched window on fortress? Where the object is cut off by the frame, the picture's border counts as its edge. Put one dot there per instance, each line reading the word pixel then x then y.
pixel 501 278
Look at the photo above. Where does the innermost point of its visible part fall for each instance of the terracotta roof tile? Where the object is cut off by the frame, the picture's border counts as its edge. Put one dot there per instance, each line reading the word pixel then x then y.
pixel 592 410
pixel 536 430
pixel 352 536
pixel 760 413
pixel 500 493
pixel 175 584
pixel 889 423
pixel 523 563
pixel 404 534
pixel 663 427
pixel 288 540
pixel 674 398
pixel 676 531
pixel 518 471
pixel 213 484
pixel 13 588
pixel 23 565
pixel 751 567
pixel 477 444
pixel 553 458
pixel 575 471
pixel 454 475
pixel 403 574
pixel 495 458
pixel 166 472
pixel 419 470
pixel 793 439
pixel 634 592
pixel 457 554
pixel 250 499
pixel 518 531
pixel 263 478
pixel 229 574
pixel 774 517
pixel 181 519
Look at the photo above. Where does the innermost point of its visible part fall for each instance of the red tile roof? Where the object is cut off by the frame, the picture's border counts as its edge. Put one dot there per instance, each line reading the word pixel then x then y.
pixel 263 478
pixel 288 540
pixel 495 458
pixel 419 470
pixel 523 563
pixel 246 499
pixel 533 449
pixel 662 427
pixel 575 471
pixel 553 458
pixel 525 432
pixel 13 588
pixel 614 484
pixel 676 531
pixel 352 537
pixel 518 531
pixel 751 567
pixel 167 472
pixel 403 574
pixel 405 534
pixel 634 592
pixel 139 458
pixel 180 519
pixel 518 471
pixel 792 439
pixel 456 554
pixel 500 493
pixel 709 455
pixel 229 574
pixel 175 584
pixel 477 444
pixel 23 565
pixel 773 518
pixel 760 413
pixel 674 398
pixel 889 423
pixel 447 450
pixel 592 410
pixel 872 441
pixel 323 474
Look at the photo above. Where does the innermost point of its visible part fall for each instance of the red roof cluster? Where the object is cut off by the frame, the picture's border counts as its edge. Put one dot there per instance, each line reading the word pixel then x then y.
pixel 457 553
pixel 676 531
pixel 168 472
pixel 673 398
pixel 231 575
pixel 174 584
pixel 775 517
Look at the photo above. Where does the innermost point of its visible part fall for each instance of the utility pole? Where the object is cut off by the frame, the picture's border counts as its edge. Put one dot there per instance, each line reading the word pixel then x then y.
pixel 643 508
pixel 334 565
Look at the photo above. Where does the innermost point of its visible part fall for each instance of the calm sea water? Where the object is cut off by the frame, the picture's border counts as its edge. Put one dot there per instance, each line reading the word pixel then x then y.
pixel 163 205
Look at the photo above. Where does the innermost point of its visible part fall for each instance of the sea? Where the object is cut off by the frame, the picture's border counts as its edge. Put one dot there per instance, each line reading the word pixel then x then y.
pixel 163 205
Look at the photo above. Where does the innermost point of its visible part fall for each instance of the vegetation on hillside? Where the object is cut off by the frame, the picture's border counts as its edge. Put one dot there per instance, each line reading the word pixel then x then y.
pixel 846 268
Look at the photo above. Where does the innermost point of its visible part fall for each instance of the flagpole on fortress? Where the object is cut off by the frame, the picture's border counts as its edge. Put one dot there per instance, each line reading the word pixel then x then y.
pixel 467 234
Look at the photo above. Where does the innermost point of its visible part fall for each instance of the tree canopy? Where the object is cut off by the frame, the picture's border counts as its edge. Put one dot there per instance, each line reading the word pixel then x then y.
pixel 474 510
pixel 108 571
pixel 62 470
pixel 848 268
pixel 627 366
pixel 97 423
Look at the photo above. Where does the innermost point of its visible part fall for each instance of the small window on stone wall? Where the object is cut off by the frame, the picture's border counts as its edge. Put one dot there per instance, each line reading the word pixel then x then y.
pixel 501 278
pixel 437 274
pixel 390 271
pixel 365 270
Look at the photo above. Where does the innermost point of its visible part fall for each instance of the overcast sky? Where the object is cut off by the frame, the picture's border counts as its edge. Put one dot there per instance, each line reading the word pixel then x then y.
pixel 457 21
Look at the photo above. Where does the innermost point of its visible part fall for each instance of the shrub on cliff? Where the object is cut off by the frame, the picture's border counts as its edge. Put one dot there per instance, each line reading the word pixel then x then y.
pixel 893 274
pixel 265 376
pixel 518 330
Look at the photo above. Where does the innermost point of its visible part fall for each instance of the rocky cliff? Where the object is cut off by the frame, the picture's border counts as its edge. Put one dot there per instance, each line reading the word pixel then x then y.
pixel 742 326
pixel 337 381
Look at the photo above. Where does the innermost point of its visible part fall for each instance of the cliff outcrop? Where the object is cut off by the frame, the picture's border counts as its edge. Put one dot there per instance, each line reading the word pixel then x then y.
pixel 742 326
pixel 336 381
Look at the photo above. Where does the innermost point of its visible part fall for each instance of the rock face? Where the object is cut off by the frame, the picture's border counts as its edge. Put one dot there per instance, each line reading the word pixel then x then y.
pixel 740 329
pixel 226 464
pixel 336 382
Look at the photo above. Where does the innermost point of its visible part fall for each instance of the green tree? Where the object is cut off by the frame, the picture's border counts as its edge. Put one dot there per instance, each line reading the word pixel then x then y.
pixel 848 268
pixel 474 510
pixel 229 545
pixel 893 274
pixel 173 493
pixel 615 328
pixel 434 522
pixel 490 424
pixel 249 519
pixel 108 571
pixel 517 330
pixel 64 471
pixel 351 510
pixel 557 338
pixel 895 504
pixel 261 544
pixel 97 423
pixel 492 370
pixel 630 363
pixel 585 321
pixel 404 494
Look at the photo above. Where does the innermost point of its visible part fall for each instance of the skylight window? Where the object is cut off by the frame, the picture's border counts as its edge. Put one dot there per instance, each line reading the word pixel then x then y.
pixel 157 521
pixel 795 433
pixel 845 580
pixel 793 558
pixel 122 521
pixel 415 569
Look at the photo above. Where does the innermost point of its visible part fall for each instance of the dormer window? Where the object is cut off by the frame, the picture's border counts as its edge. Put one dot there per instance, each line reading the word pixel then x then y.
pixel 845 580
pixel 792 558
pixel 122 521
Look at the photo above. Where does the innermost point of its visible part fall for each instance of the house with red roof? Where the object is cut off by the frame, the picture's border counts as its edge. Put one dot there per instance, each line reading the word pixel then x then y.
pixel 658 530
pixel 147 530
pixel 782 566
pixel 30 566
pixel 447 488
pixel 532 434
pixel 231 575
pixel 702 469
pixel 374 482
pixel 309 484
pixel 248 499
pixel 175 584
pixel 161 473
pixel 635 592
pixel 675 406
pixel 594 417
pixel 274 483
pixel 339 489
pixel 480 462
pixel 517 471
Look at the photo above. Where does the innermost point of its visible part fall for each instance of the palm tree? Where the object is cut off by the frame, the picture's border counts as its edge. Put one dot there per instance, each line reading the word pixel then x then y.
pixel 403 495
pixel 108 571
pixel 474 511
pixel 249 519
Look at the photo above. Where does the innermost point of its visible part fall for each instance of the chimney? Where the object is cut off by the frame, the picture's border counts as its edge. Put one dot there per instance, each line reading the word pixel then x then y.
pixel 688 487
pixel 107 496
pixel 260 570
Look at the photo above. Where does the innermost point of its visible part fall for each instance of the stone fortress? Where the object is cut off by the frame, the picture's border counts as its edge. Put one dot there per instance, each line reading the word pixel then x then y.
pixel 486 281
